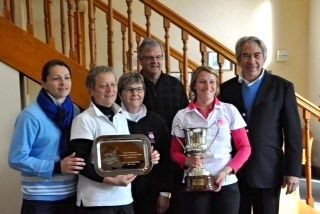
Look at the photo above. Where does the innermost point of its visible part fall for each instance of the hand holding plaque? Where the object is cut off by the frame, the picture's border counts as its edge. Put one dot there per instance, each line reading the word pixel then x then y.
pixel 122 154
pixel 198 178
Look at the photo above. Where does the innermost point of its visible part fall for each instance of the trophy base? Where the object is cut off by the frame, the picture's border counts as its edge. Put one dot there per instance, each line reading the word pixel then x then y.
pixel 203 183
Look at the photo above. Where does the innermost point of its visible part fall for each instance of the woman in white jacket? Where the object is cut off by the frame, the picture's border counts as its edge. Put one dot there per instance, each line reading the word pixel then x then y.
pixel 222 122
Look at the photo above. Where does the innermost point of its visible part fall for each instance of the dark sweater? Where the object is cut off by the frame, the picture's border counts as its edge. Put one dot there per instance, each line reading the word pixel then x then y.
pixel 146 187
pixel 166 97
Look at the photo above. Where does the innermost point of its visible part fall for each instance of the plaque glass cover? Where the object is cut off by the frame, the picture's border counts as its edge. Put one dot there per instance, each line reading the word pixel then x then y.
pixel 122 154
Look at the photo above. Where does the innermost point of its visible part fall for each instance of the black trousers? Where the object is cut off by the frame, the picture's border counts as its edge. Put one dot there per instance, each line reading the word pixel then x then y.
pixel 66 206
pixel 123 209
pixel 226 201
pixel 177 199
pixel 143 205
pixel 261 201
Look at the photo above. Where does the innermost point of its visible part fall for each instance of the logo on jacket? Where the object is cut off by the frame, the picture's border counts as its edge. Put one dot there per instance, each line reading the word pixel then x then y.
pixel 151 137
pixel 220 122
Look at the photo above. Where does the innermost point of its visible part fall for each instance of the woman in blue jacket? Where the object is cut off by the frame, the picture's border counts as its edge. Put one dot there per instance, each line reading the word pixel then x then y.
pixel 39 146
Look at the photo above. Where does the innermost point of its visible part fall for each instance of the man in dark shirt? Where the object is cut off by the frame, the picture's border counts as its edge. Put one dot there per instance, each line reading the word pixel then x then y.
pixel 165 95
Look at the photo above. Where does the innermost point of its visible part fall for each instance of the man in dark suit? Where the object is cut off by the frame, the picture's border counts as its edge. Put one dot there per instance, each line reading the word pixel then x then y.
pixel 268 104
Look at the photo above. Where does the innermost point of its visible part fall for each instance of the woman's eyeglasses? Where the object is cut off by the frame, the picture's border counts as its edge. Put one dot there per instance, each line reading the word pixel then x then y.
pixel 132 90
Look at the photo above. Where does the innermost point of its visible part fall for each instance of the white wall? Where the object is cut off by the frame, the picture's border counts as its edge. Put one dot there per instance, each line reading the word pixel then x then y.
pixel 313 60
pixel 10 197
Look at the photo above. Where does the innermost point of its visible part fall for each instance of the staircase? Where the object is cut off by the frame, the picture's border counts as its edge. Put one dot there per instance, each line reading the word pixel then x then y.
pixel 85 33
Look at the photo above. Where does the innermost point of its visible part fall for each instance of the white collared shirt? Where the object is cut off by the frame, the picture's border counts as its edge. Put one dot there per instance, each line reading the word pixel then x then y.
pixel 91 124
pixel 135 117
pixel 242 80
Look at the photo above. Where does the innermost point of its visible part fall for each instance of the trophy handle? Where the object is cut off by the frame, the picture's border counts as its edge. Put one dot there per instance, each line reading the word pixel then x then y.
pixel 184 148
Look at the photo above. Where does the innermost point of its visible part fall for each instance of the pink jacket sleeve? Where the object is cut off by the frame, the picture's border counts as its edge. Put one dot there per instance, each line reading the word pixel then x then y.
pixel 177 151
pixel 243 148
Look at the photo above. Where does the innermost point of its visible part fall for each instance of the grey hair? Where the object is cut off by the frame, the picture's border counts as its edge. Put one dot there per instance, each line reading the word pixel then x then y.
pixel 246 39
pixel 194 77
pixel 129 78
pixel 148 43
pixel 91 78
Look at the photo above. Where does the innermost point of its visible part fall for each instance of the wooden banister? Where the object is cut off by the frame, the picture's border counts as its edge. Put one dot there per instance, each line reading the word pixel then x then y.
pixel 204 54
pixel 147 12
pixel 49 22
pixel 307 117
pixel 130 41
pixel 12 10
pixel 185 57
pixel 138 41
pixel 166 25
pixel 220 60
pixel 63 27
pixel 308 110
pixel 110 34
pixel 140 31
pixel 306 104
pixel 7 10
pixel 72 49
pixel 22 43
pixel 91 17
pixel 124 55
pixel 192 30
pixel 29 17
pixel 78 37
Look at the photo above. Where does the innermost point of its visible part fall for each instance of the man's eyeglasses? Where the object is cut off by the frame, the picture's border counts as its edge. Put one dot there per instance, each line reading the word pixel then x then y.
pixel 132 90
pixel 151 58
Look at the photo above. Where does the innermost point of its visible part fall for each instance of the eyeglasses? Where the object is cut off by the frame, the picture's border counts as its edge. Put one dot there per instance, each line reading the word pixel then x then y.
pixel 132 90
pixel 151 58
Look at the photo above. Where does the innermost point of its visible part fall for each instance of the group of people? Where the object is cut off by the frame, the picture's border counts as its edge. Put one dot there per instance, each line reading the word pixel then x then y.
pixel 252 125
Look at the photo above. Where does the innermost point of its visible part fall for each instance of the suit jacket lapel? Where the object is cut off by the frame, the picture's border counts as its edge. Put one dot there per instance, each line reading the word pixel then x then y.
pixel 237 97
pixel 263 91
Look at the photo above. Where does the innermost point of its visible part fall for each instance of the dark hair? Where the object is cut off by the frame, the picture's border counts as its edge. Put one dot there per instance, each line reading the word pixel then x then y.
pixel 47 67
pixel 195 75
pixel 253 39
pixel 91 78
pixel 128 79
pixel 148 43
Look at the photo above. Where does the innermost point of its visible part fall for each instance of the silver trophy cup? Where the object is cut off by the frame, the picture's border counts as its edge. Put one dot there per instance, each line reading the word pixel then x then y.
pixel 198 179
